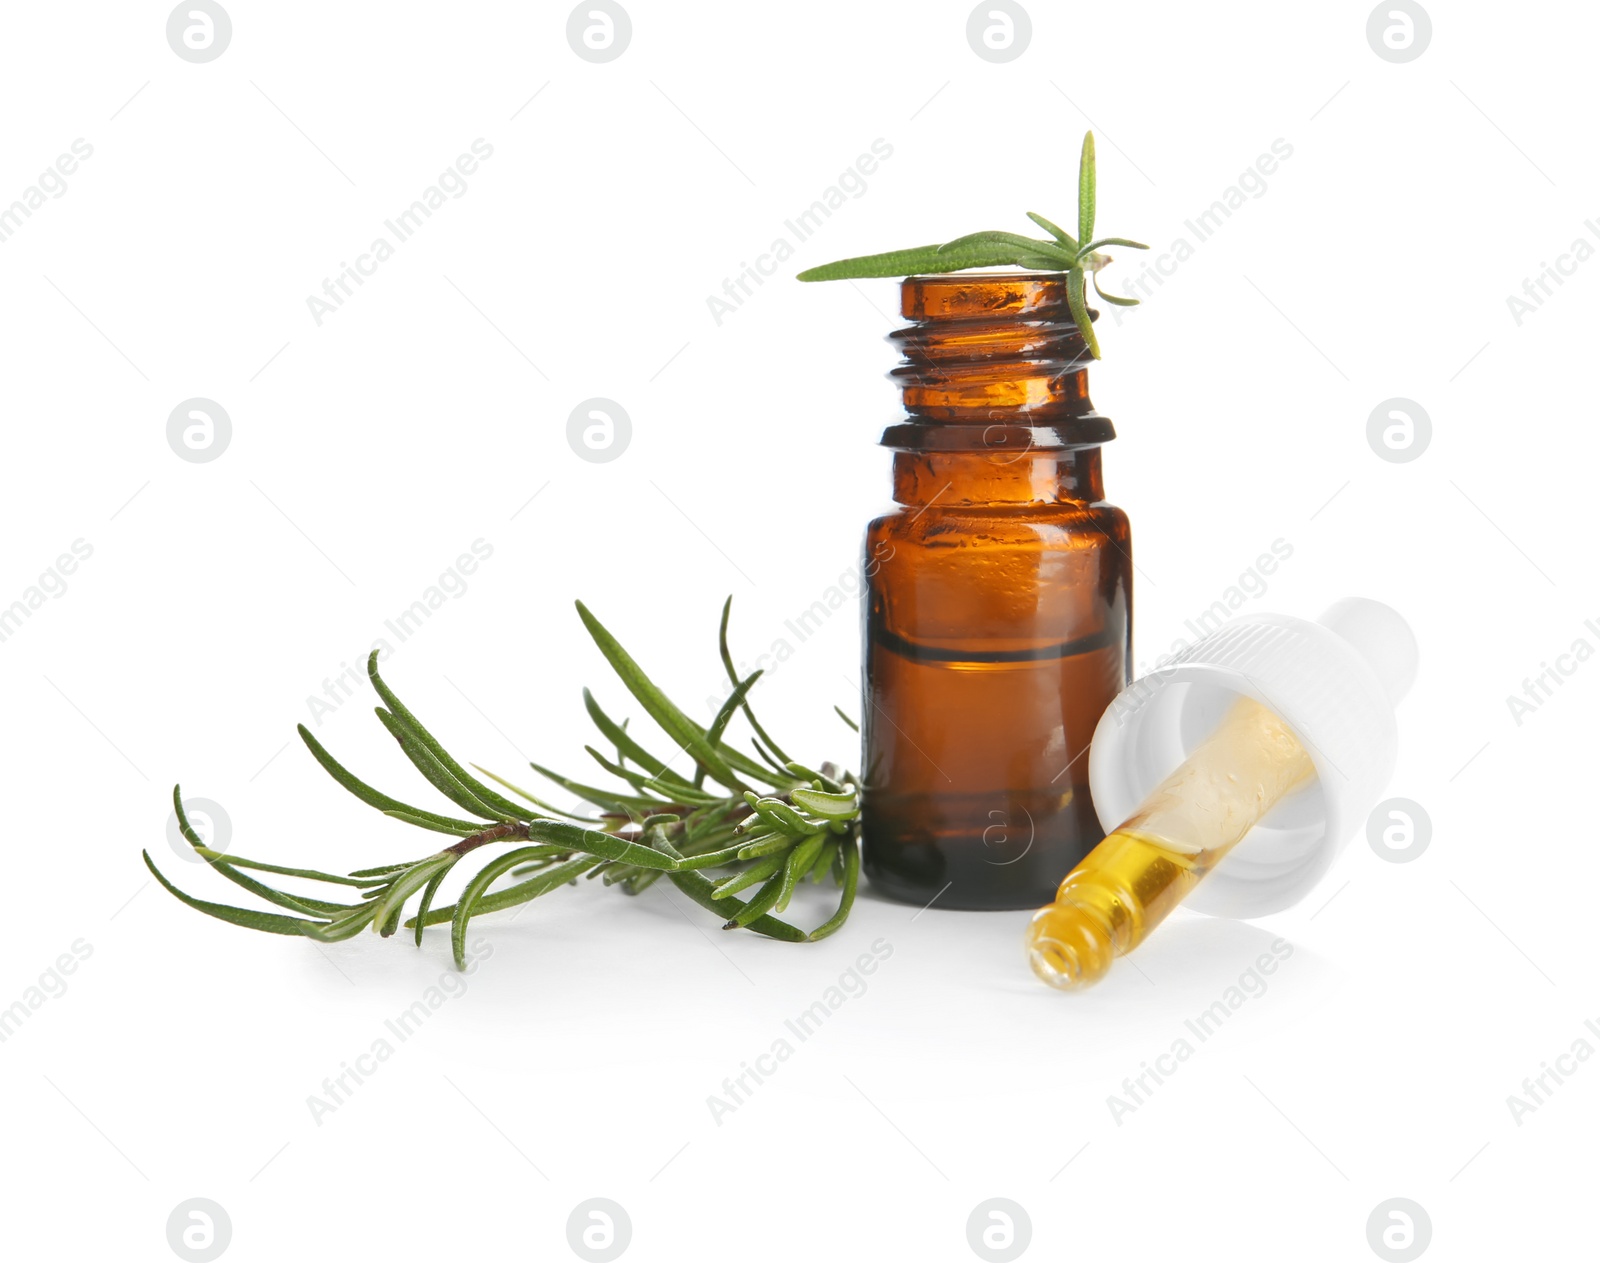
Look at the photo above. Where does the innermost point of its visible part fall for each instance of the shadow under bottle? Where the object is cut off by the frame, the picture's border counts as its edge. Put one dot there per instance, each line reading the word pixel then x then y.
pixel 998 601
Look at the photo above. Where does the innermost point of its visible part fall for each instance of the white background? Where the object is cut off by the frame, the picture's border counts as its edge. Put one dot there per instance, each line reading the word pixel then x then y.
pixel 430 411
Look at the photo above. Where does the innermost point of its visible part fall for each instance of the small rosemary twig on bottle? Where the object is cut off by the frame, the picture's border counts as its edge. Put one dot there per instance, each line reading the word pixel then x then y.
pixel 772 824
pixel 1062 253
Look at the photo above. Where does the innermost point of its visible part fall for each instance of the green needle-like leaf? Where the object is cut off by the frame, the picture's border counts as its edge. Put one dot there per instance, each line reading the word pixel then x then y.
pixel 470 896
pixel 269 922
pixel 847 894
pixel 757 872
pixel 1059 234
pixel 537 802
pixel 615 733
pixel 666 792
pixel 420 921
pixel 373 797
pixel 627 804
pixel 923 260
pixel 996 248
pixel 1086 189
pixel 797 866
pixel 733 678
pixel 824 861
pixel 1111 241
pixel 762 902
pixel 829 806
pixel 1116 299
pixel 1080 312
pixel 1051 251
pixel 436 773
pixel 504 807
pixel 406 885
pixel 719 723
pixel 673 721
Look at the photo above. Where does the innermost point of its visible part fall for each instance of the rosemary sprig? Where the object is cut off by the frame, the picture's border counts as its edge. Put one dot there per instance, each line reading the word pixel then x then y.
pixel 1060 253
pixel 802 824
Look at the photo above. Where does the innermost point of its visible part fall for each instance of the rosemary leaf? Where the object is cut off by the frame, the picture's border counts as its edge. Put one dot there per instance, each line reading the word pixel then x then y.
pixel 463 830
pixel 614 733
pixel 375 798
pixel 505 808
pixel 469 900
pixel 798 864
pixel 1086 189
pixel 923 259
pixel 1115 299
pixel 1059 234
pixel 436 773
pixel 1112 241
pixel 406 885
pixel 537 802
pixel 420 921
pixel 733 678
pixel 628 804
pixel 306 907
pixel 667 792
pixel 1053 254
pixel 719 722
pixel 757 872
pixel 825 857
pixel 268 922
pixel 660 708
pixel 310 874
pixel 1080 312
pixel 829 806
pixel 851 860
pixel 760 904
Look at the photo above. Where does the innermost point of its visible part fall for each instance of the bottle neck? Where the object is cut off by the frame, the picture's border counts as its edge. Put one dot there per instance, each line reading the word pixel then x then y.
pixel 996 387
pixel 1029 477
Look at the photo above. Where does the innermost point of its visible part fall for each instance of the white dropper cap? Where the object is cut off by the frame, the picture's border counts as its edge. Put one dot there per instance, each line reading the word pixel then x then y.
pixel 1334 682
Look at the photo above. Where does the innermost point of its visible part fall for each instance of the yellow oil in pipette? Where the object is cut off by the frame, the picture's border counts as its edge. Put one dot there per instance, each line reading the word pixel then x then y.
pixel 1146 867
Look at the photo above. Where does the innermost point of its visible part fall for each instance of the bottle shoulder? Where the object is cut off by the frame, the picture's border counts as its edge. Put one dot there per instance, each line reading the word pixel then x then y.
pixel 930 522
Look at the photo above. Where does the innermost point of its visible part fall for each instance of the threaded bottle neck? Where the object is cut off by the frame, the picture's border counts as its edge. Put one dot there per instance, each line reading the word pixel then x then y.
pixel 992 360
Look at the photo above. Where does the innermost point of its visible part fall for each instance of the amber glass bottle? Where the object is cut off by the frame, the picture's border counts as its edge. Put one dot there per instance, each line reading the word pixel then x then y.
pixel 998 610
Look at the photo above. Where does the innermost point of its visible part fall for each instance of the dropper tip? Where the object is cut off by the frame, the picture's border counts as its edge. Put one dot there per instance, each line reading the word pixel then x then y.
pixel 1069 947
